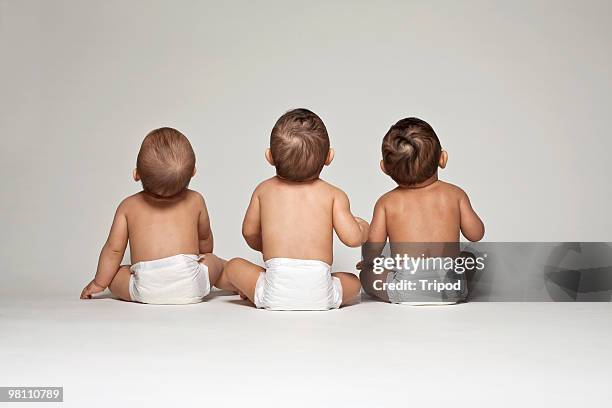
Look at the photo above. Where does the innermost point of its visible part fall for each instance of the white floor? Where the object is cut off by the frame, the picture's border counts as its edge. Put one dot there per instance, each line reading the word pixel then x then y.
pixel 221 353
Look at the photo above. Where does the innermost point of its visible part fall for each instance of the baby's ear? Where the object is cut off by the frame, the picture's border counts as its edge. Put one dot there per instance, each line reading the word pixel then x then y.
pixel 269 157
pixel 443 159
pixel 330 157
pixel 382 167
pixel 135 175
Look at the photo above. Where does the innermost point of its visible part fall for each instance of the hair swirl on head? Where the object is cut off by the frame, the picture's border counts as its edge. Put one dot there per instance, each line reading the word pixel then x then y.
pixel 411 151
pixel 299 145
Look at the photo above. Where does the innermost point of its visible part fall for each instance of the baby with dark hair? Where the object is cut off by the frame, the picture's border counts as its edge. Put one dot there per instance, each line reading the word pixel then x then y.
pixel 291 219
pixel 411 152
pixel 167 227
pixel 422 214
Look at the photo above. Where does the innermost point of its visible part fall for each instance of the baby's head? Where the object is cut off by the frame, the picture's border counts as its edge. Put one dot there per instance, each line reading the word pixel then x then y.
pixel 412 152
pixel 299 146
pixel 166 163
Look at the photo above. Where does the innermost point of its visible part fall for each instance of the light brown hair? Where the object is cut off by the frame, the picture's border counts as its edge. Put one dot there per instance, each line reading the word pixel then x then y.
pixel 299 145
pixel 165 163
pixel 411 151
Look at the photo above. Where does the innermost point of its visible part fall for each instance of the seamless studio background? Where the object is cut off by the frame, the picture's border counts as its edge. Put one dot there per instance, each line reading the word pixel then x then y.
pixel 519 94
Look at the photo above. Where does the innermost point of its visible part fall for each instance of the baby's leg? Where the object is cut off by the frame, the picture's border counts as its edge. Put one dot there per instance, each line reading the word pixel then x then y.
pixel 120 285
pixel 350 286
pixel 243 275
pixel 368 279
pixel 215 272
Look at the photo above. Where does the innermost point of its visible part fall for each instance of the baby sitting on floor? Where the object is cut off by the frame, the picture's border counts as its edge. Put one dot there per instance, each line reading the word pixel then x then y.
pixel 422 218
pixel 168 229
pixel 291 219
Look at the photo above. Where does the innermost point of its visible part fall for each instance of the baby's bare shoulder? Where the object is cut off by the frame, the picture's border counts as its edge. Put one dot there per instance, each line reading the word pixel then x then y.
pixel 193 195
pixel 128 204
pixel 389 196
pixel 195 198
pixel 451 189
pixel 395 199
pixel 388 199
pixel 327 189
pixel 265 186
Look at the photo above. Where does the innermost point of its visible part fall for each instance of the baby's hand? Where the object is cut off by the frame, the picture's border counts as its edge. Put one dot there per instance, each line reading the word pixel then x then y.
pixel 364 227
pixel 363 265
pixel 91 289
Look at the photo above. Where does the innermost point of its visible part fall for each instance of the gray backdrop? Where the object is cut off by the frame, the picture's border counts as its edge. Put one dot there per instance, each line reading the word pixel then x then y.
pixel 519 93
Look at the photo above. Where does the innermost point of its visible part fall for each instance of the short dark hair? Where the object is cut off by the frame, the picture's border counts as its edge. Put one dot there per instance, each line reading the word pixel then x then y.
pixel 411 151
pixel 299 144
pixel 165 163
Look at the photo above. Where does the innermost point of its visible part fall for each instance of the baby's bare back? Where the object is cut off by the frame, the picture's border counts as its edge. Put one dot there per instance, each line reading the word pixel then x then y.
pixel 296 220
pixel 428 214
pixel 162 228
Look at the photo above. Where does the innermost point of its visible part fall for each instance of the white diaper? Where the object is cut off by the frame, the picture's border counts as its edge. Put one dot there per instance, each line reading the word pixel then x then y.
pixel 295 284
pixel 175 280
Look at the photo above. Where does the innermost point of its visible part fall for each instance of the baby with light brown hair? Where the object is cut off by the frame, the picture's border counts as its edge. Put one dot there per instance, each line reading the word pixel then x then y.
pixel 291 219
pixel 168 230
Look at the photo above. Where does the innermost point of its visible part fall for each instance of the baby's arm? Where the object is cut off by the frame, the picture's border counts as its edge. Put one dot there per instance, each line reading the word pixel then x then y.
pixel 111 255
pixel 205 235
pixel 352 231
pixel 377 237
pixel 472 227
pixel 251 226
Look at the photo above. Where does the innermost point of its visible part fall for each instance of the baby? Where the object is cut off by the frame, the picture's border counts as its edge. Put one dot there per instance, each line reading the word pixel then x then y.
pixel 291 219
pixel 167 226
pixel 422 216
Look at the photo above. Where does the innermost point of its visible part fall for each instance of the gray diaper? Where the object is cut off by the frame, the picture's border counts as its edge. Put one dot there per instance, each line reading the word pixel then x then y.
pixel 426 287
